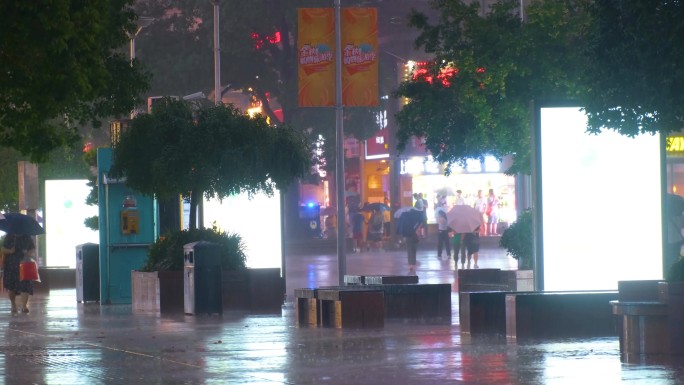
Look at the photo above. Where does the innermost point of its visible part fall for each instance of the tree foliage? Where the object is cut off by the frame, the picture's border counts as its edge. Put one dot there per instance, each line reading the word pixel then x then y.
pixel 474 98
pixel 635 50
pixel 166 254
pixel 61 65
pixel 619 59
pixel 212 152
pixel 9 189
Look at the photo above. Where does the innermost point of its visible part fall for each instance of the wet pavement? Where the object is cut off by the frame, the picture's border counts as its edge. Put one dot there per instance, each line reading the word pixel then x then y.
pixel 64 342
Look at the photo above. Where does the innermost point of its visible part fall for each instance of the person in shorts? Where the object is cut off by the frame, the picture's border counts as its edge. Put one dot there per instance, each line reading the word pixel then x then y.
pixel 472 246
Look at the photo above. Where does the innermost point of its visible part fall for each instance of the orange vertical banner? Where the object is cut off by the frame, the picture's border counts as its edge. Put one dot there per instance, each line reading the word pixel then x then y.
pixel 359 57
pixel 316 57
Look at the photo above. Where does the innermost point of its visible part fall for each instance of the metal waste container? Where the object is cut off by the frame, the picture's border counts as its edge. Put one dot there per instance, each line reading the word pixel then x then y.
pixel 202 278
pixel 87 272
pixel 310 220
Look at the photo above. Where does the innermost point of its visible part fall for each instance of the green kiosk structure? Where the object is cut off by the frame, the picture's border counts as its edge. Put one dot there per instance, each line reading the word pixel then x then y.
pixel 128 227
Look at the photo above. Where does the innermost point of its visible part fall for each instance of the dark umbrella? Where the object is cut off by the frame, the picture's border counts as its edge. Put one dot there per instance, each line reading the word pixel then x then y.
pixel 375 206
pixel 20 224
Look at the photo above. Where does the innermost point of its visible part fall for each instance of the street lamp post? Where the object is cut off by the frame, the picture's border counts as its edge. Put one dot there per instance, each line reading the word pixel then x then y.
pixel 141 22
pixel 217 55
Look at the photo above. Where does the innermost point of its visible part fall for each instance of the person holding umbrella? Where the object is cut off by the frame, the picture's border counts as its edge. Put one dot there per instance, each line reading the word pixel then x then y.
pixel 15 249
pixel 17 246
pixel 464 221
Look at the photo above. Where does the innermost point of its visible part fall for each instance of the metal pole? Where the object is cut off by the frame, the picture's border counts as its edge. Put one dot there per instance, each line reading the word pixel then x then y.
pixel 133 46
pixel 217 56
pixel 339 136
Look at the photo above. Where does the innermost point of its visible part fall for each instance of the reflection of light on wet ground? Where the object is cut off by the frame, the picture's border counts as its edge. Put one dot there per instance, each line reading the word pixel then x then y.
pixel 64 342
pixel 589 361
pixel 255 349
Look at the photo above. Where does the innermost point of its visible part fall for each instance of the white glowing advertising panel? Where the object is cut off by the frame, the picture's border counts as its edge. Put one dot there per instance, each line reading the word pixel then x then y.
pixel 65 211
pixel 257 220
pixel 600 204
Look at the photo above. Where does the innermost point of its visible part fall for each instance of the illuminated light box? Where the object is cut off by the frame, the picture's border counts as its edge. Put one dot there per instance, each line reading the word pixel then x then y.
pixel 257 220
pixel 65 211
pixel 598 204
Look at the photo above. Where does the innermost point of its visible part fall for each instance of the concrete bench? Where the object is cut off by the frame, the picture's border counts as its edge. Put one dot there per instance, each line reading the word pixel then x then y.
pixel 643 327
pixel 650 318
pixel 306 307
pixel 426 303
pixel 482 312
pixel 559 314
pixel 472 280
pixel 351 308
pixel 380 279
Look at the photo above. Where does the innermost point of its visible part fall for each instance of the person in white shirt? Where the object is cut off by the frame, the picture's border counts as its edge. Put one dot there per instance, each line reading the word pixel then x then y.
pixel 442 234
pixel 459 198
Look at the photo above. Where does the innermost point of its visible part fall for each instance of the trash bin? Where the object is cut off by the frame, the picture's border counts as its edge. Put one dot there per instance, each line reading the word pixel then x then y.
pixel 87 272
pixel 202 278
pixel 310 220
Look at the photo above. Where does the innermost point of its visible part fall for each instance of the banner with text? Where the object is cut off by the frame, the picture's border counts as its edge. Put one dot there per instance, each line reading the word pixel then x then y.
pixel 316 57
pixel 316 60
pixel 359 57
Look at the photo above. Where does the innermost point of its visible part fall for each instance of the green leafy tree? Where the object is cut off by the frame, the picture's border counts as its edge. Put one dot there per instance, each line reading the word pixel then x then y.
pixel 61 65
pixel 473 99
pixel 635 75
pixel 213 152
pixel 619 59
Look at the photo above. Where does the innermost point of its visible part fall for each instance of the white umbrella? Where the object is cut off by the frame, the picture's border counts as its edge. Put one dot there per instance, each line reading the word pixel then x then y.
pixel 464 219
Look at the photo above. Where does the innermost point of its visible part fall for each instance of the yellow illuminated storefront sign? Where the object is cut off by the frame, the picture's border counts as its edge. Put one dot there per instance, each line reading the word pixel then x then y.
pixel 674 145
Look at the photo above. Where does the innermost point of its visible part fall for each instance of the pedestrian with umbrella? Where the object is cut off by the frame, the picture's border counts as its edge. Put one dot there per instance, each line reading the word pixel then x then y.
pixel 18 247
pixel 465 222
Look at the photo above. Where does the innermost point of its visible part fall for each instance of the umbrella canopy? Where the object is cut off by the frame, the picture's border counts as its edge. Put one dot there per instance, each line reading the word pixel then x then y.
pixel 409 221
pixel 402 210
pixel 20 224
pixel 375 206
pixel 463 218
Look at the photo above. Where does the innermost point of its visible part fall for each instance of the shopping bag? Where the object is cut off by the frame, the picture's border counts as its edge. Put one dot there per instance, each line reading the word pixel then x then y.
pixel 28 271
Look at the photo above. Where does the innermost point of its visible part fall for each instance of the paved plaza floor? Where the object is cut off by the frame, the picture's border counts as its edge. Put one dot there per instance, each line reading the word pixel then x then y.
pixel 64 342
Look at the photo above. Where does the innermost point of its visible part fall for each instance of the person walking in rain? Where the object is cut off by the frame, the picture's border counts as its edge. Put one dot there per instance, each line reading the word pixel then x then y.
pixel 410 225
pixel 14 249
pixel 442 234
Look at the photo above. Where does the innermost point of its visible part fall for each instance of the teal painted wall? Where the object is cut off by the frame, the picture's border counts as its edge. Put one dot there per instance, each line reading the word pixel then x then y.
pixel 120 253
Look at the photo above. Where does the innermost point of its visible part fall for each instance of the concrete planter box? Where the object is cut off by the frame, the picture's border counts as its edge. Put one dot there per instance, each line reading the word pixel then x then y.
pixel 157 291
pixel 254 290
